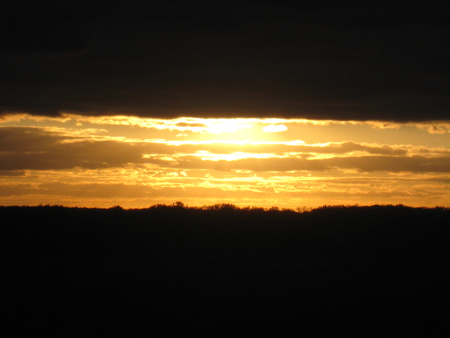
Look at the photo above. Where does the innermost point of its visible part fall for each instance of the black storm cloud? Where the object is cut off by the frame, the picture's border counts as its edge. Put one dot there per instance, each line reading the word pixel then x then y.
pixel 345 61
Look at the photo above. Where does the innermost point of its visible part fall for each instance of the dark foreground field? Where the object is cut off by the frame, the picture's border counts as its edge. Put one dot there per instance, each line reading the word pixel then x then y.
pixel 242 272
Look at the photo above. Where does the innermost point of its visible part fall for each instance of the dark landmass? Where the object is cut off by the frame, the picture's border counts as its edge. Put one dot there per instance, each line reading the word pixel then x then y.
pixel 222 269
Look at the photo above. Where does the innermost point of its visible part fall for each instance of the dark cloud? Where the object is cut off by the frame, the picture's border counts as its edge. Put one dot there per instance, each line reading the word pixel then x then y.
pixel 444 180
pixel 12 173
pixel 379 61
pixel 347 147
pixel 33 148
pixel 415 164
pixel 17 189
pixel 26 140
pixel 49 27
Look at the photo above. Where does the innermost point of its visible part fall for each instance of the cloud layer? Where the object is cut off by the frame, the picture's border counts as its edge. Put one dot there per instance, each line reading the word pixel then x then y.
pixel 384 61
pixel 83 161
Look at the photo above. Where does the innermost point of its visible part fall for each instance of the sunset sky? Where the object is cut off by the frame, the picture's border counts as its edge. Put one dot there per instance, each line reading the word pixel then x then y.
pixel 249 104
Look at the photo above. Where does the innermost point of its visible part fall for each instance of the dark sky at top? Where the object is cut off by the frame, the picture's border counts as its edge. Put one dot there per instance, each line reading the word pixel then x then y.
pixel 358 61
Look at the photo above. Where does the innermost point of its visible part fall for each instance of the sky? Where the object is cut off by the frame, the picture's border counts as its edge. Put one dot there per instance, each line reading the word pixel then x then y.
pixel 249 103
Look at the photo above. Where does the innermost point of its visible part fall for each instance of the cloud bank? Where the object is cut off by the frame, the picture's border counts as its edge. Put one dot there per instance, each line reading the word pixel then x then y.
pixel 386 61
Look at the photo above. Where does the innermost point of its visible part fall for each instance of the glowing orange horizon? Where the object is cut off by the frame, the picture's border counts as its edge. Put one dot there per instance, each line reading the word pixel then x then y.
pixel 135 162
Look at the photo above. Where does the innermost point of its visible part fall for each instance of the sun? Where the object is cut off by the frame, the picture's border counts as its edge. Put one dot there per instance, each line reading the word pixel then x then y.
pixel 241 129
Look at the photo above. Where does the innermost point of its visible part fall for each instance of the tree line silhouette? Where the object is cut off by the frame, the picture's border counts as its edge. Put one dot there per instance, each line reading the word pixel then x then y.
pixel 221 266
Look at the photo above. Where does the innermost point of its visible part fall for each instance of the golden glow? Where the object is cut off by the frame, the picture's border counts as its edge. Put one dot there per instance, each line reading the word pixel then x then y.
pixel 207 156
pixel 272 128
pixel 135 162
